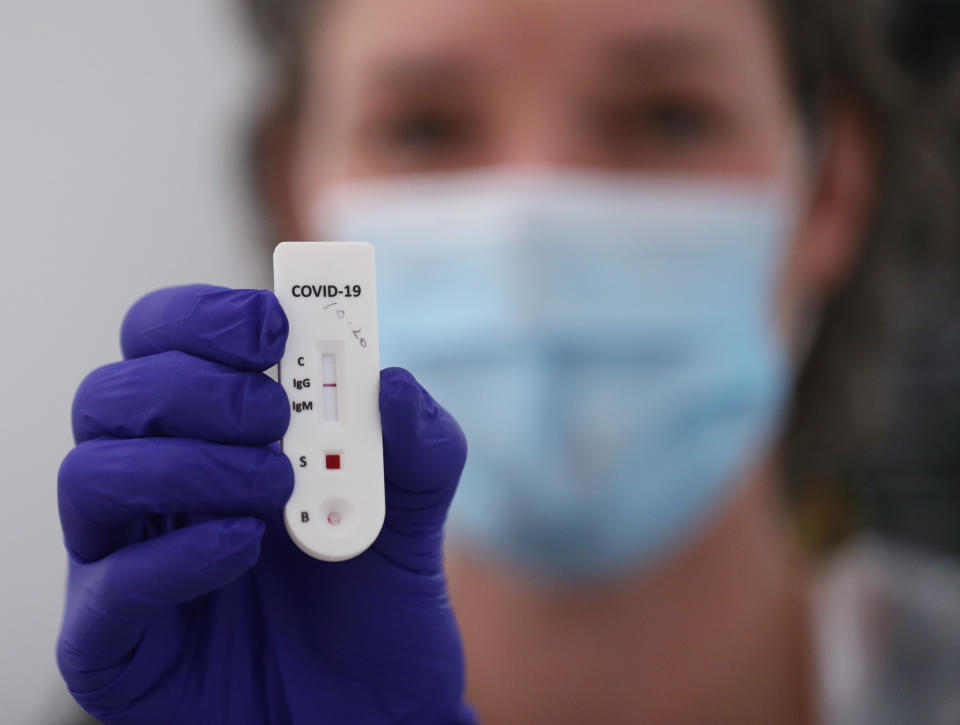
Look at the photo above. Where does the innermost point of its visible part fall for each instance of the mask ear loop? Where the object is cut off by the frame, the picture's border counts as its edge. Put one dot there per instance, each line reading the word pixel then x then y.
pixel 816 142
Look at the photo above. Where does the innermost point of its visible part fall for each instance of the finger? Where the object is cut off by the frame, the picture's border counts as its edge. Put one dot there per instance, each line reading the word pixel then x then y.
pixel 424 451
pixel 245 329
pixel 107 487
pixel 173 394
pixel 112 602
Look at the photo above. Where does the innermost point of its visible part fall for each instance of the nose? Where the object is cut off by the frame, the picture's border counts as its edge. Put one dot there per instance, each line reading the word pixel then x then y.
pixel 531 131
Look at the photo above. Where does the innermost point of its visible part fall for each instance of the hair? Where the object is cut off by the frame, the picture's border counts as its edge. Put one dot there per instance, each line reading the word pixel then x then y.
pixel 862 432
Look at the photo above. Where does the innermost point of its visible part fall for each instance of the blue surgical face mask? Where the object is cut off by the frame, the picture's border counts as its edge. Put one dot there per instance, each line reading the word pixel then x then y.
pixel 606 344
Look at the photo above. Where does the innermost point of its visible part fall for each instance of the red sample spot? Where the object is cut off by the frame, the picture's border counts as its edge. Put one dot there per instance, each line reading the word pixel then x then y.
pixel 333 461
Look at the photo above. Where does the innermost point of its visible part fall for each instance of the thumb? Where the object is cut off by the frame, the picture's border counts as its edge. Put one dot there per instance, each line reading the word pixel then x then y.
pixel 424 451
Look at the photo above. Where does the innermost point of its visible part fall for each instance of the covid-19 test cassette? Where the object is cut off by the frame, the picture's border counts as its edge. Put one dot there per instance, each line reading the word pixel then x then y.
pixel 331 372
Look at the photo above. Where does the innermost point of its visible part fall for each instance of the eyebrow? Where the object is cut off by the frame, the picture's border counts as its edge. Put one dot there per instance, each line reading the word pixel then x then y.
pixel 452 70
pixel 664 51
pixel 440 71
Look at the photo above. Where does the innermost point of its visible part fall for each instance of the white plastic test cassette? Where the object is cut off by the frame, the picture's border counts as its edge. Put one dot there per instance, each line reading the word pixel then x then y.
pixel 331 372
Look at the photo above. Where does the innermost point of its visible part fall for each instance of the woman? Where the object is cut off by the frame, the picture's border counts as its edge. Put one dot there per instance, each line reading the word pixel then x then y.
pixel 605 232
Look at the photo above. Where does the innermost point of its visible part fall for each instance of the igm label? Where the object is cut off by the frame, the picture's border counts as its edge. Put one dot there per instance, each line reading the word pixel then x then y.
pixel 300 407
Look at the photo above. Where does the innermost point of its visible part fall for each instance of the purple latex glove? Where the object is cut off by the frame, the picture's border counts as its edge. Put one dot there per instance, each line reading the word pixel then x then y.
pixel 186 601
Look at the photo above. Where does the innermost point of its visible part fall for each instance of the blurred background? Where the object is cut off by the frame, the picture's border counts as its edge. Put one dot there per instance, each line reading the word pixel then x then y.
pixel 124 127
pixel 122 130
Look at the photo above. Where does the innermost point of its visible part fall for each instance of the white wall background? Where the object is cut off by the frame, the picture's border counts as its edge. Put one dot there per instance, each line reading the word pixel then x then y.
pixel 121 132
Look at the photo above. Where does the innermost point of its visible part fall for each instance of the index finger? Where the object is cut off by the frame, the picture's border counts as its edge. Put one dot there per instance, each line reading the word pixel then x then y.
pixel 245 329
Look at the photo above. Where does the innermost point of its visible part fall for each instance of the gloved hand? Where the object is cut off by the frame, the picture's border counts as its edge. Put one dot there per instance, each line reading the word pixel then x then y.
pixel 187 602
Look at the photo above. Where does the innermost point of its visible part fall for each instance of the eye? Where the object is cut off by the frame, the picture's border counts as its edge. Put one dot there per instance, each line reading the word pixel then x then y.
pixel 678 121
pixel 425 131
pixel 661 123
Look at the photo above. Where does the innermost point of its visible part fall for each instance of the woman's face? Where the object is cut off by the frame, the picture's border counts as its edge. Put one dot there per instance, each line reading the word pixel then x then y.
pixel 691 86
pixel 694 87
